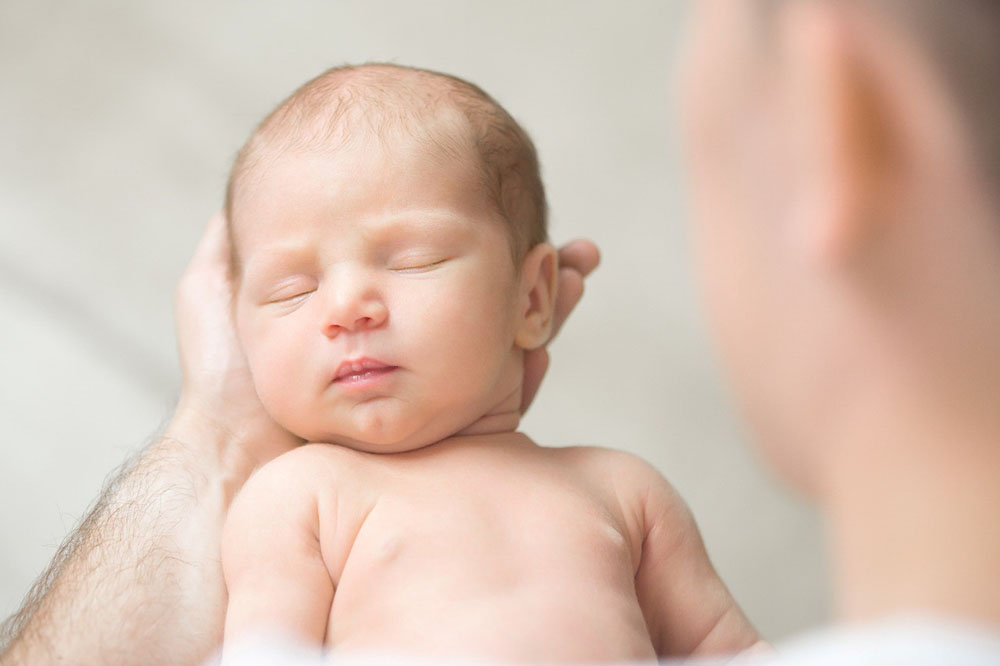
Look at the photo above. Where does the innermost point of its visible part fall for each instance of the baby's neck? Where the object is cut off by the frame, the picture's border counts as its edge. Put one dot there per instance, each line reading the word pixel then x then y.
pixel 504 417
pixel 494 423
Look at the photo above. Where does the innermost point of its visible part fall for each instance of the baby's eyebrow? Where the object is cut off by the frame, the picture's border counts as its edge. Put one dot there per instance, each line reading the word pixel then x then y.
pixel 418 222
pixel 279 254
pixel 404 226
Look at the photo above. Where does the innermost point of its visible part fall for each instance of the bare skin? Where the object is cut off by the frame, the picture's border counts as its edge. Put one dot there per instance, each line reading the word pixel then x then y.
pixel 479 546
pixel 444 532
pixel 852 286
pixel 127 582
pixel 139 581
pixel 812 336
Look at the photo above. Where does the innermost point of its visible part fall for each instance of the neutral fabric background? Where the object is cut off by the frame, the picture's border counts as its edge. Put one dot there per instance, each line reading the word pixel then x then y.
pixel 119 121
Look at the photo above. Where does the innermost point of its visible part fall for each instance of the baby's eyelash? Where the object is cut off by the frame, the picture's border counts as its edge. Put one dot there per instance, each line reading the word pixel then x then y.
pixel 417 267
pixel 290 300
pixel 295 297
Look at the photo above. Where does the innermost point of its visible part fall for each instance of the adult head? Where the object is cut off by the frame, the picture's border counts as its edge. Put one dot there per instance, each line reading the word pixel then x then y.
pixel 844 162
pixel 844 165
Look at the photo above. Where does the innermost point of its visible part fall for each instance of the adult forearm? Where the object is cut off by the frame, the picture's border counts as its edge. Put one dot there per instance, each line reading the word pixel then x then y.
pixel 139 580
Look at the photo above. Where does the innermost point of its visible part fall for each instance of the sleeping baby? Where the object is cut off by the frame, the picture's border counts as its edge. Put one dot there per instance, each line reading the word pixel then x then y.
pixel 388 227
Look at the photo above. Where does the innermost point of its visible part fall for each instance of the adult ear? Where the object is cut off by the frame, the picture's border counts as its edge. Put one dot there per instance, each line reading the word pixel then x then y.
pixel 840 127
pixel 537 296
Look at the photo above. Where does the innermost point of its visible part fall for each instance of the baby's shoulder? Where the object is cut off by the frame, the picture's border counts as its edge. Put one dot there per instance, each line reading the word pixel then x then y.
pixel 633 481
pixel 623 483
pixel 312 465
pixel 610 465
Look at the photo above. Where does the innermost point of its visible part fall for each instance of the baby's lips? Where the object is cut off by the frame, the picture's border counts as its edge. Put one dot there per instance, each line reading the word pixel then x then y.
pixel 360 365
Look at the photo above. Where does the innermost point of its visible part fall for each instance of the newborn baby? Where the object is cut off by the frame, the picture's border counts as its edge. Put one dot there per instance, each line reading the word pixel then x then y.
pixel 389 244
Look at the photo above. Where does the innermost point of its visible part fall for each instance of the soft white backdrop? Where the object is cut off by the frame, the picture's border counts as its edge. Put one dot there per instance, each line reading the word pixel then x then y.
pixel 118 121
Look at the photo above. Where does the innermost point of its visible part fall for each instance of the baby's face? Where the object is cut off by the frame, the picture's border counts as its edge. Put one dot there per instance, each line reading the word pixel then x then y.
pixel 378 299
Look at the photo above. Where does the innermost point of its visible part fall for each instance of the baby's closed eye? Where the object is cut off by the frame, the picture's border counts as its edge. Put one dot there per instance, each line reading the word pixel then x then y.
pixel 416 262
pixel 294 289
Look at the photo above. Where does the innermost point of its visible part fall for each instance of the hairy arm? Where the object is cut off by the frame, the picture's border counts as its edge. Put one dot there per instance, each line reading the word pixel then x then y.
pixel 688 609
pixel 139 581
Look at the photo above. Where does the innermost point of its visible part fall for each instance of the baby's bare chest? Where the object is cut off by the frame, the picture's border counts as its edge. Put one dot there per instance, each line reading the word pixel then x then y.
pixel 482 525
pixel 446 549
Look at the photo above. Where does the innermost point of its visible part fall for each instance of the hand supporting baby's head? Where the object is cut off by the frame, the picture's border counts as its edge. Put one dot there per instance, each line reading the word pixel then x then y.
pixel 388 228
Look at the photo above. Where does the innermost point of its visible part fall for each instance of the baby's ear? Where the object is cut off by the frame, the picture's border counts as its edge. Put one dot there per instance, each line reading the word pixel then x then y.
pixel 537 296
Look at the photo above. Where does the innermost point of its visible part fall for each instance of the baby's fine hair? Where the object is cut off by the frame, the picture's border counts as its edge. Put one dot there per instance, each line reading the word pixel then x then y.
pixel 392 101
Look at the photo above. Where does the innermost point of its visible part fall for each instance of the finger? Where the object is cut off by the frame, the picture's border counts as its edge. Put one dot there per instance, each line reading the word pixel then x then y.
pixel 214 243
pixel 211 255
pixel 569 292
pixel 209 265
pixel 581 255
pixel 536 362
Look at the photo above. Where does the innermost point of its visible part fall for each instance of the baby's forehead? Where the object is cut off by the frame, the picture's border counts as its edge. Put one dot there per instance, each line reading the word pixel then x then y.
pixel 430 118
pixel 397 191
pixel 411 167
pixel 385 239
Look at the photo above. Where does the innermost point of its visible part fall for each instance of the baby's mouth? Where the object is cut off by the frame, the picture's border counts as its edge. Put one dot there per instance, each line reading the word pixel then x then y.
pixel 361 370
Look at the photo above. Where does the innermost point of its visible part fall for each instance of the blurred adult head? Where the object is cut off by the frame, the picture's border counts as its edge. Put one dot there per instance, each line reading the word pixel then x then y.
pixel 844 161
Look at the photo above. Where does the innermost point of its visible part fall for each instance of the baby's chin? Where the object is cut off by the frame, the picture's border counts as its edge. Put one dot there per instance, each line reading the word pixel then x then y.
pixel 383 437
pixel 388 430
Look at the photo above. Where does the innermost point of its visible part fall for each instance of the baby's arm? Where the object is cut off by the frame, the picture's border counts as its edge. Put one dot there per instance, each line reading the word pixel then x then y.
pixel 687 607
pixel 277 580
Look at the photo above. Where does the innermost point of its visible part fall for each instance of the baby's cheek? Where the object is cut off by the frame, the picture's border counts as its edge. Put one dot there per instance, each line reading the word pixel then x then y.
pixel 474 335
pixel 273 367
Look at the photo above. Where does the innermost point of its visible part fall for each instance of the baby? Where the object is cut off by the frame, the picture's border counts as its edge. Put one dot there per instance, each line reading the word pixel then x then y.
pixel 388 227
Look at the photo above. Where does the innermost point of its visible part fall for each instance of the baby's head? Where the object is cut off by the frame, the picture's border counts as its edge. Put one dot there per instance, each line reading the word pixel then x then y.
pixel 388 228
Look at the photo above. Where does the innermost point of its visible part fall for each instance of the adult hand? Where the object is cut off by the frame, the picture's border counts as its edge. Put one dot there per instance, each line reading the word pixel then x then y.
pixel 576 261
pixel 217 392
pixel 139 581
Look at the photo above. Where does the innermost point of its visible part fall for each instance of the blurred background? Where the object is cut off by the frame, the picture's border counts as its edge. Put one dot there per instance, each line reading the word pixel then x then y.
pixel 119 123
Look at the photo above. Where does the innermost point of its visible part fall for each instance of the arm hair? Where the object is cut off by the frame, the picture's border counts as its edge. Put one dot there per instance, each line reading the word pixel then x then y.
pixel 139 580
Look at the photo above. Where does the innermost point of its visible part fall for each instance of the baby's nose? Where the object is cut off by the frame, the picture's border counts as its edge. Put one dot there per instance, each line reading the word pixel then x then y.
pixel 356 314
